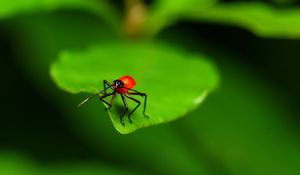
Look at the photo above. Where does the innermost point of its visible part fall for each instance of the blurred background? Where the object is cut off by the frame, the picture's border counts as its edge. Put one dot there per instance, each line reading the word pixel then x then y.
pixel 249 125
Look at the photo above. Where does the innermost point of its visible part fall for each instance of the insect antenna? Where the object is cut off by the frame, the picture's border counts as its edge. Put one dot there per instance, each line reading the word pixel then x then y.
pixel 90 97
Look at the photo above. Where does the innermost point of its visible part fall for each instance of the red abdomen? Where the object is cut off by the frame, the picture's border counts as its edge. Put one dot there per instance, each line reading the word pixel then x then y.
pixel 129 83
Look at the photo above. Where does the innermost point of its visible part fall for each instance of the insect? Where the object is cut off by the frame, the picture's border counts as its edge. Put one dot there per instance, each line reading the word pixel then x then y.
pixel 123 86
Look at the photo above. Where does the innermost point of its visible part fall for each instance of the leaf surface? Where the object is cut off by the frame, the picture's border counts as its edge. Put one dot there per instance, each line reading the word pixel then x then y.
pixel 176 82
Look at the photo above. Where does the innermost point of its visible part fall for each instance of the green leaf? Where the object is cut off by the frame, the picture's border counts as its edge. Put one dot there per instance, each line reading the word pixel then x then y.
pixel 260 18
pixel 87 167
pixel 165 12
pixel 15 163
pixel 11 163
pixel 101 8
pixel 165 73
pixel 283 2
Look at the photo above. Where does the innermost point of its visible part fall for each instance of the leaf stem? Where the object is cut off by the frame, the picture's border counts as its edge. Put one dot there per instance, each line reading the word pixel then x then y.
pixel 135 16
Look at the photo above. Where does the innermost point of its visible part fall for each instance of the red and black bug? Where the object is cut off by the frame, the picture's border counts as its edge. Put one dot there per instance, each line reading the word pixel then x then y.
pixel 123 86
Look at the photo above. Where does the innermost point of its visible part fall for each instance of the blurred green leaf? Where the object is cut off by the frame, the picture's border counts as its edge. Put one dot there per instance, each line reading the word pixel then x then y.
pixel 101 8
pixel 169 8
pixel 12 163
pixel 283 2
pixel 165 73
pixel 259 18
pixel 164 12
pixel 86 168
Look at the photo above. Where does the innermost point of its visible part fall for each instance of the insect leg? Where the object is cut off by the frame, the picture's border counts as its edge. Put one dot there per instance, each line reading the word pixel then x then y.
pixel 106 85
pixel 126 109
pixel 111 100
pixel 106 95
pixel 145 101
pixel 139 103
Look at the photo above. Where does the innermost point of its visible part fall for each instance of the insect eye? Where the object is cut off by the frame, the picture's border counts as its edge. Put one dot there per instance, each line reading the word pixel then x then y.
pixel 118 83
